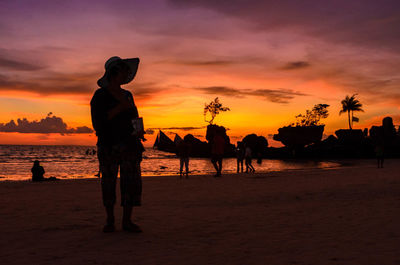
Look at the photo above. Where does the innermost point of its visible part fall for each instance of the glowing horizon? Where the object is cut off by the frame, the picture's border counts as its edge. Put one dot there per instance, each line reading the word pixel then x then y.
pixel 266 62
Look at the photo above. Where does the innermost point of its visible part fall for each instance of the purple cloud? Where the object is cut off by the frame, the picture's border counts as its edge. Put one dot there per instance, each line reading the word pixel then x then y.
pixel 367 23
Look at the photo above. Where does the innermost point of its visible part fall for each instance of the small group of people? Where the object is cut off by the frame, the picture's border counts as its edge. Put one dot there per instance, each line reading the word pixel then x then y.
pixel 90 152
pixel 217 153
pixel 244 153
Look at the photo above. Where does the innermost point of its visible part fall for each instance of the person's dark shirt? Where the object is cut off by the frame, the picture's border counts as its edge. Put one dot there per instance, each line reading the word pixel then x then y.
pixel 183 149
pixel 115 130
pixel 37 173
pixel 218 145
pixel 239 153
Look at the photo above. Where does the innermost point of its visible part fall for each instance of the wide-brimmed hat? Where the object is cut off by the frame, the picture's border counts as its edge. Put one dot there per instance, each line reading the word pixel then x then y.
pixel 132 63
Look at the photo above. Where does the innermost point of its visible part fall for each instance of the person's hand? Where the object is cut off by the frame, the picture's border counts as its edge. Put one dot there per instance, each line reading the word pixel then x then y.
pixel 124 101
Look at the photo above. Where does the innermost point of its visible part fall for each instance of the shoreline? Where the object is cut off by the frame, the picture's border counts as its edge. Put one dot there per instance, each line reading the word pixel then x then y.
pixel 347 162
pixel 177 175
pixel 338 164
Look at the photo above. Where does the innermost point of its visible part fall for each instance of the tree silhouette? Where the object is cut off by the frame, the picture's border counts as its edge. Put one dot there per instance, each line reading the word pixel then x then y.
pixel 349 105
pixel 214 108
pixel 312 117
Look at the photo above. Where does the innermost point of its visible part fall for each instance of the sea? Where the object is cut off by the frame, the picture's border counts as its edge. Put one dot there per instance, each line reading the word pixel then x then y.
pixel 79 162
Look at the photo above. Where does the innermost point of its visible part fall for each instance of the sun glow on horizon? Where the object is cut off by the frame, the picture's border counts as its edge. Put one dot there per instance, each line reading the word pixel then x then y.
pixel 266 64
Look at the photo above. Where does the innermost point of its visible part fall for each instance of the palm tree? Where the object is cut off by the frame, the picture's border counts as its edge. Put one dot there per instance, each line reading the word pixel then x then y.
pixel 351 104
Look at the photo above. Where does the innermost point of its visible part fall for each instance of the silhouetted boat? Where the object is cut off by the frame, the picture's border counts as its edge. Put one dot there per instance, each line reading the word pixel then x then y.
pixel 177 139
pixel 163 143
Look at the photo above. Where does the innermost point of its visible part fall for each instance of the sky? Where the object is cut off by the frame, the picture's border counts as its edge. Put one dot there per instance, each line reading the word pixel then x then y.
pixel 266 60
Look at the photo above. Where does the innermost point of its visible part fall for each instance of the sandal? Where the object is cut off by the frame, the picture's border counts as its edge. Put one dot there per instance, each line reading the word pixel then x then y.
pixel 131 227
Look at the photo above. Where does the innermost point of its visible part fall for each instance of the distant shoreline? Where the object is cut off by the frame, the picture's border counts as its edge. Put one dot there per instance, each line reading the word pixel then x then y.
pixel 340 164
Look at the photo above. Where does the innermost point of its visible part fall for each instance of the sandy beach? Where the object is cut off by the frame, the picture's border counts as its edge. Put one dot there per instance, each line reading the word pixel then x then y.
pixel 348 215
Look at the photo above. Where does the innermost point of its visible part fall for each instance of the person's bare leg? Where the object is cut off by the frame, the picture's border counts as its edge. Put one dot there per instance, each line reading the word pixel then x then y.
pixel 187 167
pixel 219 167
pixel 214 162
pixel 126 215
pixel 180 167
pixel 109 227
pixel 127 223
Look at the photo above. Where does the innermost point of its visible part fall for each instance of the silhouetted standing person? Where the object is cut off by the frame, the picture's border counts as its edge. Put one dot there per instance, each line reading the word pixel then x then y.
pixel 248 157
pixel 217 152
pixel 37 171
pixel 183 151
pixel 114 116
pixel 239 156
pixel 380 153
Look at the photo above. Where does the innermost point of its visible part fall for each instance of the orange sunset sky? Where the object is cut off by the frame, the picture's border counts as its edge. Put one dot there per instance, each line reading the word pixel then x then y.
pixel 266 60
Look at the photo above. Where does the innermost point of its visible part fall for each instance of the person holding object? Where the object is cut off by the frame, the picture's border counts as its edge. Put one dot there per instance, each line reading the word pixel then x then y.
pixel 115 119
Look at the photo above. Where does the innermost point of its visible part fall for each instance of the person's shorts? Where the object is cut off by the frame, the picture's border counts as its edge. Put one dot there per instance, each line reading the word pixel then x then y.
pixel 216 157
pixel 128 163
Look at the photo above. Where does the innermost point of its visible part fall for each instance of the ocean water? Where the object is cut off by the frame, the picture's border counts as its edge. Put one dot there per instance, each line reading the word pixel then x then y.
pixel 72 162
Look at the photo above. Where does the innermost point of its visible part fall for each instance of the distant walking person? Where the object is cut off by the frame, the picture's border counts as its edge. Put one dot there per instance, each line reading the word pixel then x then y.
pixel 380 153
pixel 248 157
pixel 38 172
pixel 240 156
pixel 217 152
pixel 380 146
pixel 116 121
pixel 183 151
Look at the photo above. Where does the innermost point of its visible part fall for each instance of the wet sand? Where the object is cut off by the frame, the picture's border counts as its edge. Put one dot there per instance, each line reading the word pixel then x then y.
pixel 347 215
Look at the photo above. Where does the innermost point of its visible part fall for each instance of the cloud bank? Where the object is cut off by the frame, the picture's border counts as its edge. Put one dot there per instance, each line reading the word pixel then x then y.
pixel 50 124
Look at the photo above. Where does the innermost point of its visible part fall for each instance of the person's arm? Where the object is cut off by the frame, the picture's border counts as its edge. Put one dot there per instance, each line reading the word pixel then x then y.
pixel 98 113
pixel 125 103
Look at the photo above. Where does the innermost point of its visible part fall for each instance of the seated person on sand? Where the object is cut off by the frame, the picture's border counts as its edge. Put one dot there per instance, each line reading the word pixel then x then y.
pixel 38 172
